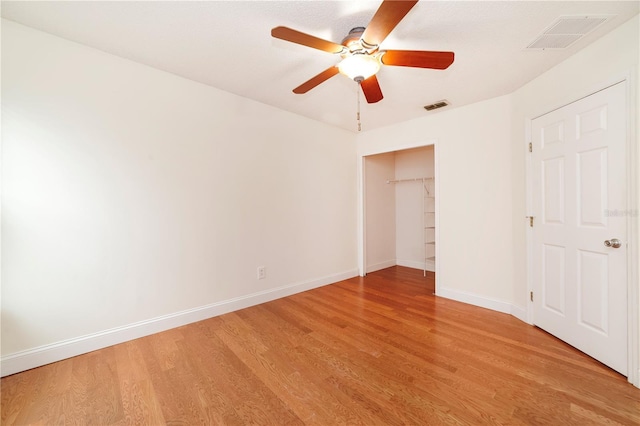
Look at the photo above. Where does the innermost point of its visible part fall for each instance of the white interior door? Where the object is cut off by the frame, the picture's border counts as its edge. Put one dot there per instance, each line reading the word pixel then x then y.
pixel 579 204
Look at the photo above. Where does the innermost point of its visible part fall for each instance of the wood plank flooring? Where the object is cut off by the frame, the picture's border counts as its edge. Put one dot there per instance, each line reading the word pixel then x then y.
pixel 380 350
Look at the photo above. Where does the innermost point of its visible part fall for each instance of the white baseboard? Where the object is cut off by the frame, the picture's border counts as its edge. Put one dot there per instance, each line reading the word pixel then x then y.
pixel 483 302
pixel 519 312
pixel 430 265
pixel 36 357
pixel 381 265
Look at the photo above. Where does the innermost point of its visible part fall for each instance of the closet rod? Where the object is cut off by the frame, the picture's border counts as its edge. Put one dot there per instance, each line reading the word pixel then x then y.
pixel 409 180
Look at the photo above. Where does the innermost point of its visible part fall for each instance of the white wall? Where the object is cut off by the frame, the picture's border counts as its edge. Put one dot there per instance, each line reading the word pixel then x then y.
pixel 410 164
pixel 475 195
pixel 380 205
pixel 134 200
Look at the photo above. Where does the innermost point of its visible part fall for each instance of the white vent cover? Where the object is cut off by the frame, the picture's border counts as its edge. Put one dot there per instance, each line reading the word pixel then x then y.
pixel 566 30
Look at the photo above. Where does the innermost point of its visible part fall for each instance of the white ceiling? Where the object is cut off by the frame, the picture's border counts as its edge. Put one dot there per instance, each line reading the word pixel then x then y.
pixel 227 45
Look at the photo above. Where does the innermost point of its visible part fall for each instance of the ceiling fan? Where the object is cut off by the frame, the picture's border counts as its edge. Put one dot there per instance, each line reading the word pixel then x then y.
pixel 361 54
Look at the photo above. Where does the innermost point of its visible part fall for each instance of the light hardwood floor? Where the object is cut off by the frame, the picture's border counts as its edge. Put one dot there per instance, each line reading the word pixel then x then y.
pixel 375 350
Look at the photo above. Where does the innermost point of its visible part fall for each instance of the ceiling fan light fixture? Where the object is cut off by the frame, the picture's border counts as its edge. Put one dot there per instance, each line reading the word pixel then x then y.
pixel 359 66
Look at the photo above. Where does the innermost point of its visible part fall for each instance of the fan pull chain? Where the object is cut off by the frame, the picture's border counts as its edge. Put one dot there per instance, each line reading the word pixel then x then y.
pixel 358 113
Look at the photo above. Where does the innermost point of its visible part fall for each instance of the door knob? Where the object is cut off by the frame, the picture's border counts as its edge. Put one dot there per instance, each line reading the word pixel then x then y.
pixel 614 242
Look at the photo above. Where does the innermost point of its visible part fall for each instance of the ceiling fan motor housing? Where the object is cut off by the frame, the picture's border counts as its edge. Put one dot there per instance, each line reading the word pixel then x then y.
pixel 354 42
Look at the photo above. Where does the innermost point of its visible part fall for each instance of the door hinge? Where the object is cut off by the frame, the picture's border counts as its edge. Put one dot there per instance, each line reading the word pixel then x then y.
pixel 530 221
pixel 531 296
pixel 530 147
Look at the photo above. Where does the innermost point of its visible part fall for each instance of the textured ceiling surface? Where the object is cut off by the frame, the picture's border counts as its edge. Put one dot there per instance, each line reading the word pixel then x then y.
pixel 227 45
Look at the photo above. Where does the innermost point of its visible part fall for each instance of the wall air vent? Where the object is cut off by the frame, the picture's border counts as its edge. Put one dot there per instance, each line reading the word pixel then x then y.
pixel 436 105
pixel 566 30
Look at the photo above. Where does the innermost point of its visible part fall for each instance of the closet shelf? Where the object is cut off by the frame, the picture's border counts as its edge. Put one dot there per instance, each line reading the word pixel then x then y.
pixel 409 180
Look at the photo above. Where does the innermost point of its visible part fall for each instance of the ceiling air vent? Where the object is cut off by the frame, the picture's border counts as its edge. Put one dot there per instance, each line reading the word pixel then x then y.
pixel 436 105
pixel 566 30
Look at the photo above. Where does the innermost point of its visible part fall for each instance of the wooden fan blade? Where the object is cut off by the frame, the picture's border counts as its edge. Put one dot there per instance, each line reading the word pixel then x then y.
pixel 418 59
pixel 298 37
pixel 314 81
pixel 388 15
pixel 371 89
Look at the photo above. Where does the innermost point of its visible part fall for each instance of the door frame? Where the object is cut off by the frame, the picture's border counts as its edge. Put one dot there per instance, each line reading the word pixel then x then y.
pixel 633 279
pixel 362 214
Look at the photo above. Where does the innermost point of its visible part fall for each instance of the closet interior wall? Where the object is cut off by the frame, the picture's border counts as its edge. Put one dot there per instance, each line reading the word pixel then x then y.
pixel 395 215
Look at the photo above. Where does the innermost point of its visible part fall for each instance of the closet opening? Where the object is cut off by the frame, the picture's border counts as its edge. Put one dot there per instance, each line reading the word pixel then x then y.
pixel 400 210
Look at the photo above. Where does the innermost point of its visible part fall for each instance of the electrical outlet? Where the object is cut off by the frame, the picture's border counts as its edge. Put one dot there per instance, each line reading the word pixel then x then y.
pixel 262 272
